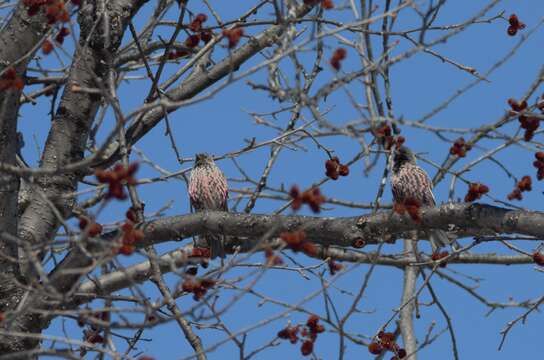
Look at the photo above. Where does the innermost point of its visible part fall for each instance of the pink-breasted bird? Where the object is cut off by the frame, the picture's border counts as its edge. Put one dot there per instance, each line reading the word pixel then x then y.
pixel 208 190
pixel 409 181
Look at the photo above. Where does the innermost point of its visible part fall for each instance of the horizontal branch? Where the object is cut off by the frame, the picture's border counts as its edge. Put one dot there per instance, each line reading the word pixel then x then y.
pixel 171 261
pixel 465 219
pixel 461 218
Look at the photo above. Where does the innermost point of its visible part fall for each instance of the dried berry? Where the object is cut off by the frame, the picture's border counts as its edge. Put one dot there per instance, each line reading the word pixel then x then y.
pixel 538 258
pixel 116 178
pixel 375 348
pixel 475 191
pixel 47 47
pixel 515 25
pixel 307 347
pixel 460 147
pixel 233 36
pixel 196 24
pixel 337 57
pixel 192 41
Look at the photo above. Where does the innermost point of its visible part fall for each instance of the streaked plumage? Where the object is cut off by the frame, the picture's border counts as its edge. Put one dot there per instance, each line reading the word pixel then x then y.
pixel 409 181
pixel 208 190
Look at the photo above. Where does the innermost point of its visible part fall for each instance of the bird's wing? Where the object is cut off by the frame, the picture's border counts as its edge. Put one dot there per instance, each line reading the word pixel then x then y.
pixel 425 185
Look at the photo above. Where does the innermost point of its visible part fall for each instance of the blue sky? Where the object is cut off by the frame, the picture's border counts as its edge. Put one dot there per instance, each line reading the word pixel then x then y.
pixel 220 124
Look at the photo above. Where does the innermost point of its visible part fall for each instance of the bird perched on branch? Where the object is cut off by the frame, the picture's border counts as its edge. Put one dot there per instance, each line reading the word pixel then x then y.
pixel 410 183
pixel 208 190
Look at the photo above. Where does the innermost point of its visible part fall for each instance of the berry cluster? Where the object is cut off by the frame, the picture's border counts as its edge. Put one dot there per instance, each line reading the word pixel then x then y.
pixel 334 267
pixel 193 40
pixel 460 147
pixel 271 258
pixel 475 191
pixel 525 184
pixel 289 333
pixel 233 36
pixel 92 334
pixel 89 226
pixel 437 256
pixel 312 197
pixel 116 178
pixel 411 206
pixel 10 80
pixel 386 341
pixel 337 57
pixel 529 123
pixel 309 332
pixel 385 136
pixel 515 25
pixel 538 258
pixel 296 241
pixel 334 168
pixel 517 106
pixel 198 288
pixel 539 164
pixel 55 10
pixel 325 4
pixel 47 45
pixel 196 24
pixel 131 236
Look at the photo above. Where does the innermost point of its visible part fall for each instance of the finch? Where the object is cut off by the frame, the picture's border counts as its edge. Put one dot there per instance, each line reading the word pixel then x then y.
pixel 410 182
pixel 208 190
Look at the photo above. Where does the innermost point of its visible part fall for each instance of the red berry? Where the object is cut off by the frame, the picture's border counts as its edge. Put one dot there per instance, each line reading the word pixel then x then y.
pixel 192 41
pixel 375 348
pixel 307 348
pixel 201 18
pixel 538 258
pixel 47 47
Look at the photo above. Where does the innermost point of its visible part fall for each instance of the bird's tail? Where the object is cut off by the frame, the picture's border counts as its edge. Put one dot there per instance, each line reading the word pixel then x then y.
pixel 439 238
pixel 213 242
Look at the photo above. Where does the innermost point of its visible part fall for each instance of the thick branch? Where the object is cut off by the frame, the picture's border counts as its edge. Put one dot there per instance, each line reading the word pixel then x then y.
pixel 18 41
pixel 324 231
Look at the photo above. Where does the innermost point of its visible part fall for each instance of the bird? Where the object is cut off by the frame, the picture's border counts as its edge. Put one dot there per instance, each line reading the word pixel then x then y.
pixel 208 190
pixel 411 182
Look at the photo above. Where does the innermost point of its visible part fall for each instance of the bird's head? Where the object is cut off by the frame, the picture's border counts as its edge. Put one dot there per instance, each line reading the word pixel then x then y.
pixel 402 155
pixel 203 159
